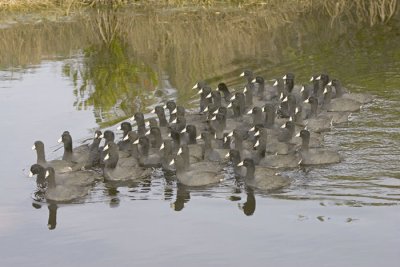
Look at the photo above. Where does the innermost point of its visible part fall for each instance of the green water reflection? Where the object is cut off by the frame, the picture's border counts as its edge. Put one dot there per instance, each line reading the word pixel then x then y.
pixel 107 78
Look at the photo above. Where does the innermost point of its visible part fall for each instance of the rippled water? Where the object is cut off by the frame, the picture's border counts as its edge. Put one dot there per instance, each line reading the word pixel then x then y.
pixel 345 214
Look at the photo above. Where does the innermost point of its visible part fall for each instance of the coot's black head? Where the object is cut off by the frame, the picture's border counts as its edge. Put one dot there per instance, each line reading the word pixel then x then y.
pixel 139 116
pixel 304 134
pixel 38 145
pixel 109 136
pixel 37 169
pixel 259 80
pixel 222 87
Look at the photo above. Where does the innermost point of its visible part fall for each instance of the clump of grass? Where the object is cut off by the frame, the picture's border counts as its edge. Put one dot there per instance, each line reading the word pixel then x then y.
pixel 26 4
pixel 61 6
pixel 371 11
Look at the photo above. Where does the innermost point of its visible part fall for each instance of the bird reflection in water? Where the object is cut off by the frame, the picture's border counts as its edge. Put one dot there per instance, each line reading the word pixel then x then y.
pixel 182 197
pixel 52 222
pixel 170 182
pixel 113 192
pixel 248 207
pixel 39 197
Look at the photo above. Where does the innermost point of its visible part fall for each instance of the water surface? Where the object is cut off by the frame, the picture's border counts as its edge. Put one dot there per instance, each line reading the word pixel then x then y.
pixel 65 75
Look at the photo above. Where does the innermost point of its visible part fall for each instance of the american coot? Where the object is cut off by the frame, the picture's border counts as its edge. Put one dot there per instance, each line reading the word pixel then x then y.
pixel 209 111
pixel 78 154
pixel 126 127
pixel 280 161
pixel 242 102
pixel 208 152
pixel 316 139
pixel 62 192
pixel 114 172
pixel 216 98
pixel 236 110
pixel 168 155
pixel 239 145
pixel 217 125
pixel 133 150
pixel 259 81
pixel 315 156
pixel 204 101
pixel 324 79
pixel 171 107
pixel 155 134
pixel 178 124
pixel 94 151
pixel 339 109
pixel 222 87
pixel 259 150
pixel 316 86
pixel 151 122
pixel 273 146
pixel 305 91
pixel 316 122
pixel 248 97
pixel 197 174
pixel 40 173
pixel 286 132
pixel 191 131
pixel 339 104
pixel 271 122
pixel 196 150
pixel 279 85
pixel 200 85
pixel 340 92
pixel 289 82
pixel 122 162
pixel 109 136
pixel 249 76
pixel 160 112
pixel 298 117
pixel 286 160
pixel 141 125
pixel 148 157
pixel 263 178
pixel 257 113
pixel 76 178
pixel 234 157
pixel 287 106
pixel 59 165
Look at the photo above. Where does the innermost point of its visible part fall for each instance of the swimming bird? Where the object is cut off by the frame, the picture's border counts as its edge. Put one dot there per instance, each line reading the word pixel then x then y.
pixel 196 174
pixel 263 178
pixel 315 156
pixel 59 165
pixel 114 172
pixel 62 192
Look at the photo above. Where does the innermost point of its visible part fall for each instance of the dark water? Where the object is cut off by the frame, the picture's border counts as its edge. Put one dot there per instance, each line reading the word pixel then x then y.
pixel 63 75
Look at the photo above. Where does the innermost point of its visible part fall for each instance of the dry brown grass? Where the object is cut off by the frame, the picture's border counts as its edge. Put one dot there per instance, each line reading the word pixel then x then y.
pixel 372 11
pixel 180 30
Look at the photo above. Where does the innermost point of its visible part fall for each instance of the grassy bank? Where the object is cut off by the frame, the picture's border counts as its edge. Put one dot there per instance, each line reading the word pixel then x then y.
pixel 372 11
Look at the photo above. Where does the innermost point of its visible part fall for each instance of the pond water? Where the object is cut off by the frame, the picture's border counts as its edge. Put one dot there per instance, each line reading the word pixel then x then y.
pixel 72 74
